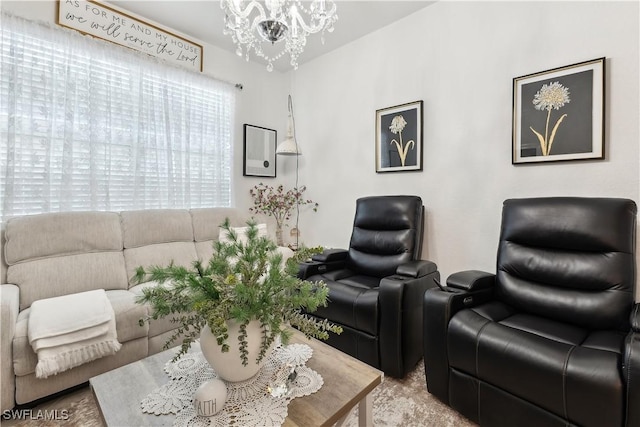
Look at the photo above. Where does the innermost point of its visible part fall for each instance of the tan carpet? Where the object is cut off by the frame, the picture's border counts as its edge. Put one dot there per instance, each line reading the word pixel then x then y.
pixel 407 402
pixel 79 409
pixel 396 402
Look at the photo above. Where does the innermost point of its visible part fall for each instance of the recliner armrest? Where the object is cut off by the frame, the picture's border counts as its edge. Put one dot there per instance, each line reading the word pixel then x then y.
pixel 309 268
pixel 631 367
pixel 416 268
pixel 328 260
pixel 471 280
pixel 331 255
pixel 634 319
pixel 439 307
pixel 400 301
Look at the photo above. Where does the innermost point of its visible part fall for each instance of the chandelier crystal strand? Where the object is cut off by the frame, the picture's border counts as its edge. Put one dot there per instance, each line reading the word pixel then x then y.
pixel 250 23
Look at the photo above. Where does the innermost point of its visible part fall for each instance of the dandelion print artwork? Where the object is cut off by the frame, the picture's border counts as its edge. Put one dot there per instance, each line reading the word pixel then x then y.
pixel 558 114
pixel 397 125
pixel 550 97
pixel 399 138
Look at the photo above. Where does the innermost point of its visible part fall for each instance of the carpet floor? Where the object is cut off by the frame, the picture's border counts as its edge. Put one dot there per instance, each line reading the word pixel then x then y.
pixel 404 402
pixel 407 402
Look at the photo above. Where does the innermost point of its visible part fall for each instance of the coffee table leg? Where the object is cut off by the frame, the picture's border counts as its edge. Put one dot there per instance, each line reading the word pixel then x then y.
pixel 365 411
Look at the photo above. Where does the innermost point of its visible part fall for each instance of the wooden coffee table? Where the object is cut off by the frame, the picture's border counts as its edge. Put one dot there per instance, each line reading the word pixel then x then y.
pixel 347 382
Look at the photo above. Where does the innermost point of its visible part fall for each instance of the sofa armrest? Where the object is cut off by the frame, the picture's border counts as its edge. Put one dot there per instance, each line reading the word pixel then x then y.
pixel 417 268
pixel 9 309
pixel 400 299
pixel 631 368
pixel 285 252
pixel 471 280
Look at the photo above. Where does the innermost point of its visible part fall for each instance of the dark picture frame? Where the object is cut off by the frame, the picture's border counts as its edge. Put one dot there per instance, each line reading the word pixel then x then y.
pixel 259 151
pixel 399 138
pixel 558 114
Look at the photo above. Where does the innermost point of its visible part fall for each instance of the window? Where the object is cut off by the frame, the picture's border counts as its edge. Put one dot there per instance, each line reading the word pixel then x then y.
pixel 87 125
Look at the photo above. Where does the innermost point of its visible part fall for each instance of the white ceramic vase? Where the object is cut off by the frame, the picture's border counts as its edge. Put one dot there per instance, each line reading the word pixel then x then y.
pixel 229 365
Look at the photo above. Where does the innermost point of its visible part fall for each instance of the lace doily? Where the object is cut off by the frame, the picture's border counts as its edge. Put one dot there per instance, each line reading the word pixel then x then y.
pixel 249 403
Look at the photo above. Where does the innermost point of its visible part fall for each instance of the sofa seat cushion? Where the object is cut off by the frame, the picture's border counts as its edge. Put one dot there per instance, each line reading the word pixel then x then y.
pixel 127 327
pixel 569 371
pixel 352 301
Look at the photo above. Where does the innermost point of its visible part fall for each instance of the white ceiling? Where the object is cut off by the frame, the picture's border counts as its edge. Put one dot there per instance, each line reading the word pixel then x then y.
pixel 204 20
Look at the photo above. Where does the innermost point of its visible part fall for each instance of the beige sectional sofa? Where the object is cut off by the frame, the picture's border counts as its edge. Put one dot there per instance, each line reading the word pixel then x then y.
pixel 57 254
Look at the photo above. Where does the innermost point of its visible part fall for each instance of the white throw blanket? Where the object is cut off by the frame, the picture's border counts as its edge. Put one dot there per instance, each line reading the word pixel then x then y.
pixel 70 330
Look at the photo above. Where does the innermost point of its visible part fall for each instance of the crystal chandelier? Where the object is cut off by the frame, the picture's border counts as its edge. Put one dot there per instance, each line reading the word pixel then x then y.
pixel 252 22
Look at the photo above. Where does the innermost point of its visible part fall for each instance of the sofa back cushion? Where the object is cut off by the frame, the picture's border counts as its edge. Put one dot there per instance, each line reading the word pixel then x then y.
pixel 57 254
pixel 207 221
pixel 387 232
pixel 206 227
pixel 157 237
pixel 569 259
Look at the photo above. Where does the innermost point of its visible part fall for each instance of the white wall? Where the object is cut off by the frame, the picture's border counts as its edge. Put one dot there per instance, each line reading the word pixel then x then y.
pixel 262 102
pixel 460 59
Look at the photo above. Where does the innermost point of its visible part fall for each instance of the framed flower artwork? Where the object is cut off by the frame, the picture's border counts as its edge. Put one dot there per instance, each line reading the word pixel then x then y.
pixel 399 138
pixel 559 114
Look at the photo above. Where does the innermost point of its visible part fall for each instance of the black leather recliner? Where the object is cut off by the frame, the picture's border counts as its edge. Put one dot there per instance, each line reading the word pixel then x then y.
pixel 376 286
pixel 552 339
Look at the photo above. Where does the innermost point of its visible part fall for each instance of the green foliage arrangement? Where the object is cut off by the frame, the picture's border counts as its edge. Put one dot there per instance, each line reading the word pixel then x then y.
pixel 242 281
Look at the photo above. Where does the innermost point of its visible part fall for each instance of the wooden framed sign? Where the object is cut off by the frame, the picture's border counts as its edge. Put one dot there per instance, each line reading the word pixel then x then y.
pixel 102 21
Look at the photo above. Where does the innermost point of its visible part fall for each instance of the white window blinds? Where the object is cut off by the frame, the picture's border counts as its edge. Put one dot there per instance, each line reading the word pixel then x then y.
pixel 86 125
